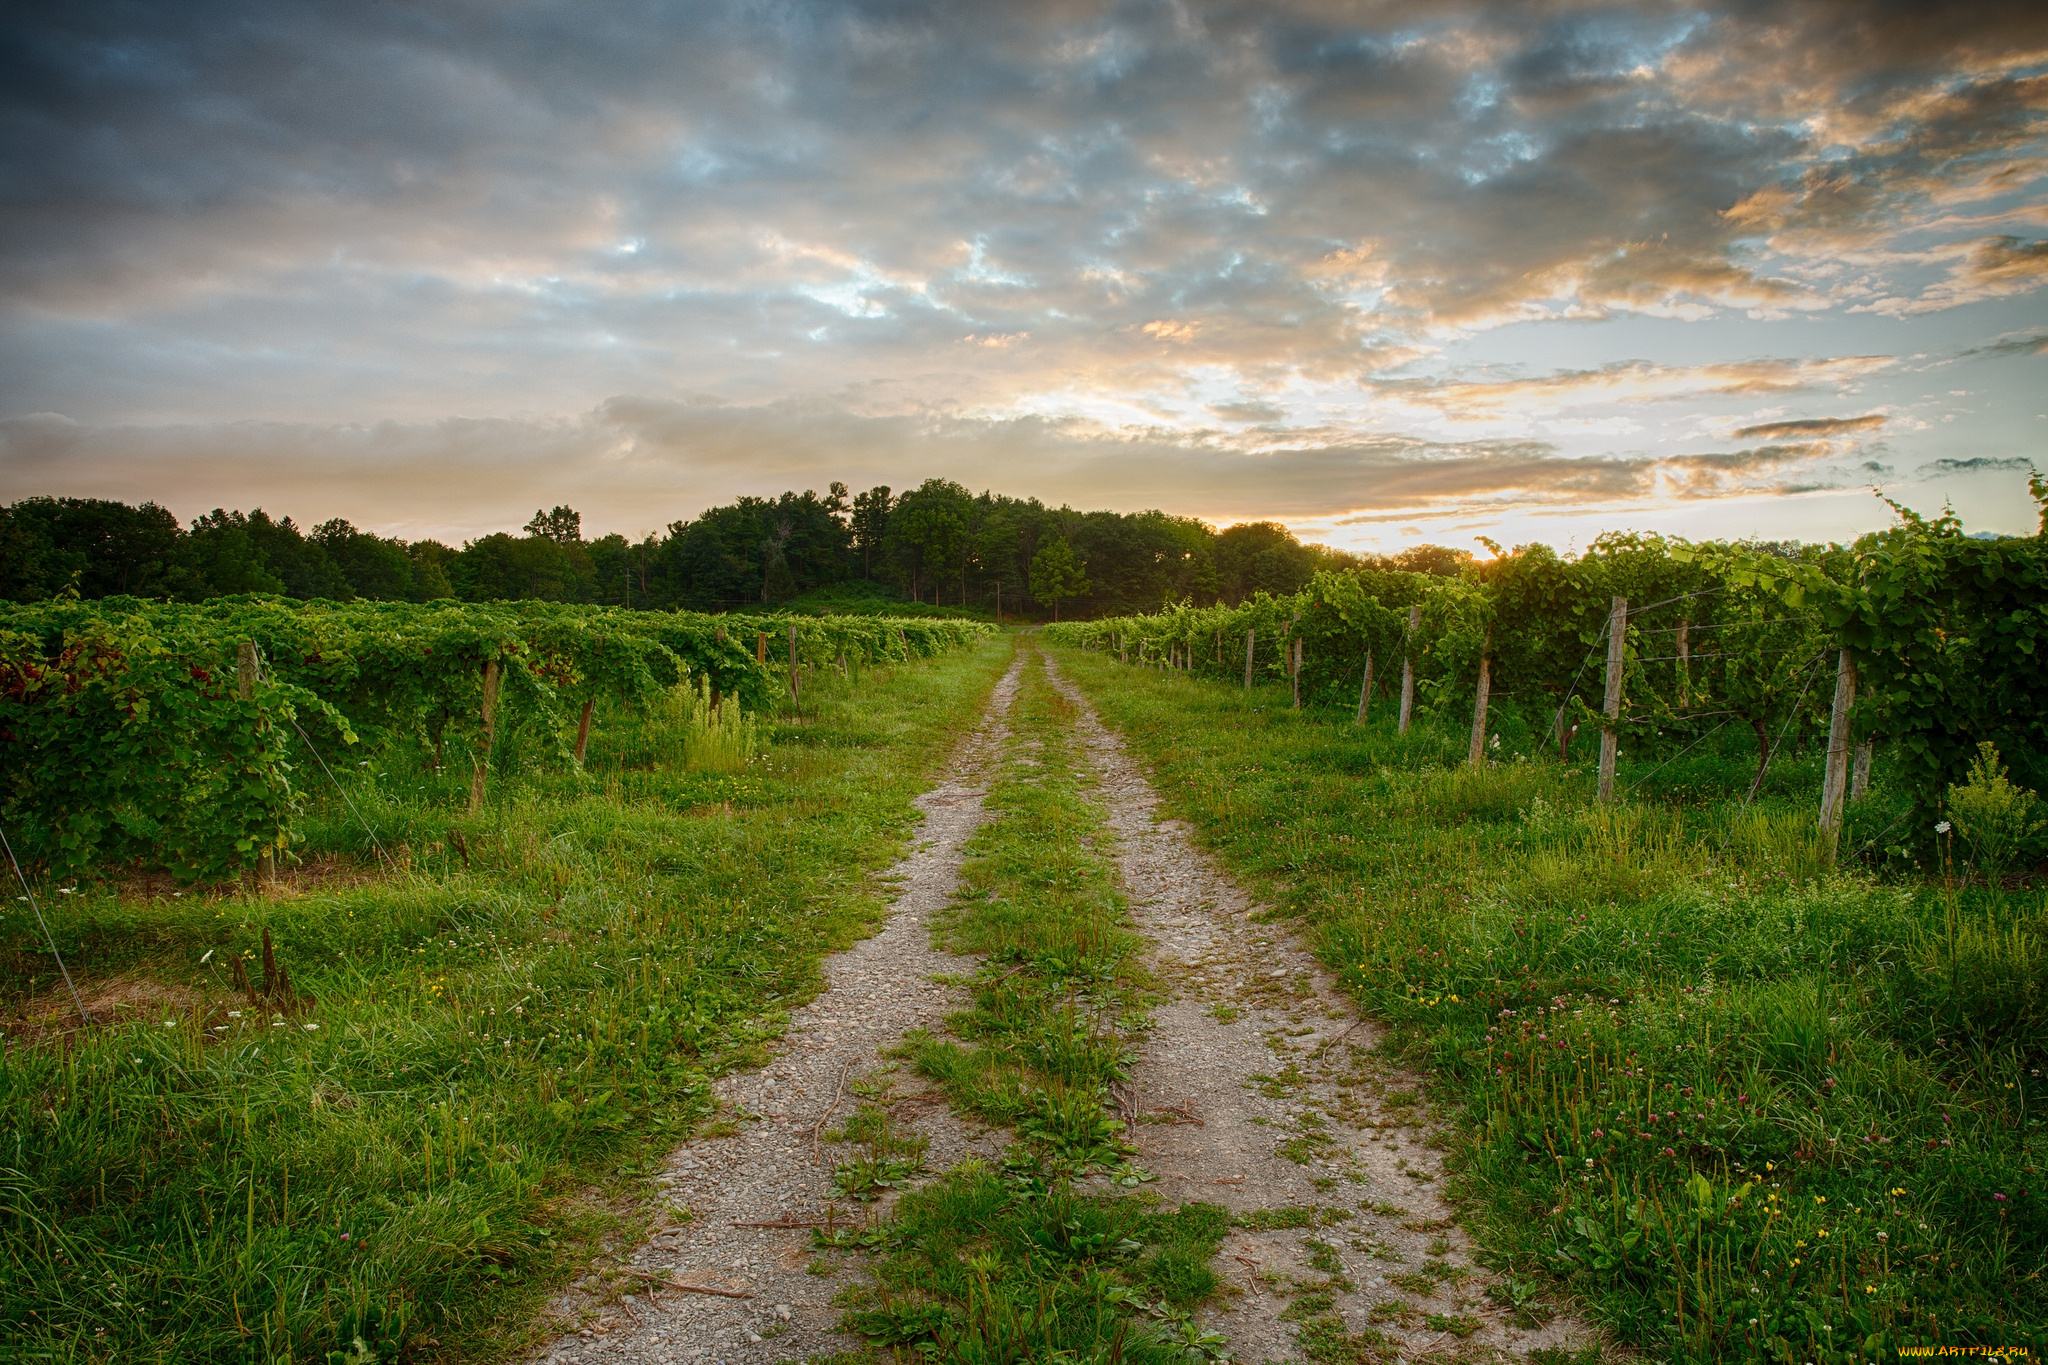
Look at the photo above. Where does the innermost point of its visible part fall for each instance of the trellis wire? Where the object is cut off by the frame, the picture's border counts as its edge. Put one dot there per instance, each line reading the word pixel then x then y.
pixel 310 748
pixel 1703 592
pixel 1772 756
pixel 1680 754
pixel 48 937
pixel 1725 625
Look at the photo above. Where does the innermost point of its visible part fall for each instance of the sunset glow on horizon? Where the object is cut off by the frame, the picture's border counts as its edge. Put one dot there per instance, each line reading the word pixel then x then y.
pixel 1387 273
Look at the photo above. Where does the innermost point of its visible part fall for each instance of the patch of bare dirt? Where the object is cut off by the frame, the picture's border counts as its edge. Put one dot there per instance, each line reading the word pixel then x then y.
pixel 50 1015
pixel 323 872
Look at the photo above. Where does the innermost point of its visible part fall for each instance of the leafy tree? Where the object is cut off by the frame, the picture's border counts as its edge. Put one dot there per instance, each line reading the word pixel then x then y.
pixel 1440 560
pixel 1261 556
pixel 1055 574
pixel 501 567
pixel 104 547
pixel 301 565
pixel 376 568
pixel 430 563
pixel 564 526
pixel 728 557
pixel 930 528
pixel 870 526
pixel 615 571
pixel 221 549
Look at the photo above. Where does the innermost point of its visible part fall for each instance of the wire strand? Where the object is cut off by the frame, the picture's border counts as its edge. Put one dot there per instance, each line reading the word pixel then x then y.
pixel 1703 592
pixel 48 937
pixel 1772 756
pixel 1704 626
pixel 1680 754
pixel 313 750
pixel 1573 690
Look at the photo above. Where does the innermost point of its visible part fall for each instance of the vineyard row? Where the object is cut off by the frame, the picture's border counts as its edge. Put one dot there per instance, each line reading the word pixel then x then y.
pixel 177 735
pixel 1918 637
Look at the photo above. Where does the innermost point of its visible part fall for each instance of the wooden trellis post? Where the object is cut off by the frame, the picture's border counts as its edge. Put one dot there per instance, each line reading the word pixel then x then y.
pixel 483 759
pixel 1684 661
pixel 1408 668
pixel 245 688
pixel 1610 734
pixel 1477 758
pixel 1294 673
pixel 1365 689
pixel 1859 776
pixel 1248 660
pixel 1835 779
pixel 583 730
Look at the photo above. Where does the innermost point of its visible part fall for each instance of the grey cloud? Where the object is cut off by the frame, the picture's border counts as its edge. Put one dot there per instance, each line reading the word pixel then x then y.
pixel 1813 426
pixel 634 463
pixel 1248 412
pixel 1982 464
pixel 317 216
pixel 2021 343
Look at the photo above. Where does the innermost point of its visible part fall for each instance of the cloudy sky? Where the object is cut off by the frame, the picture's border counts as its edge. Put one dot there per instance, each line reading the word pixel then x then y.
pixel 1386 271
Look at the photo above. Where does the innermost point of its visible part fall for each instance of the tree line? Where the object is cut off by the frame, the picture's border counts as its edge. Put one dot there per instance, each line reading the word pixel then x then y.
pixel 938 543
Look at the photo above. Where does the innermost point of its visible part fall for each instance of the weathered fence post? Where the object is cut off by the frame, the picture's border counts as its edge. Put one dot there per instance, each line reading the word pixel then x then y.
pixel 483 759
pixel 1859 779
pixel 1835 779
pixel 1294 674
pixel 761 647
pixel 583 730
pixel 1248 660
pixel 245 688
pixel 1610 734
pixel 1365 689
pixel 1478 755
pixel 1408 669
pixel 792 661
pixel 1684 661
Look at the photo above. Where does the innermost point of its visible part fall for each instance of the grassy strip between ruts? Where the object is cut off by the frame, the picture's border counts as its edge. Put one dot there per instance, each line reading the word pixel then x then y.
pixel 1742 1105
pixel 535 1004
pixel 1013 1263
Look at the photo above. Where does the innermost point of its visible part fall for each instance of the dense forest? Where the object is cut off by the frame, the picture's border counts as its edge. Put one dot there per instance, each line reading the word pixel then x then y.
pixel 937 543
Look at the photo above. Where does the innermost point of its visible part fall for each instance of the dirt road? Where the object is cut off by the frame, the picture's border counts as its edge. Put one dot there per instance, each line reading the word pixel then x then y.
pixel 1258 1088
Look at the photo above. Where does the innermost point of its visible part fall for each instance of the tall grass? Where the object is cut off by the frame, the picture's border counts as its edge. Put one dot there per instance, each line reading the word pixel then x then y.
pixel 686 728
pixel 1744 1103
pixel 531 1000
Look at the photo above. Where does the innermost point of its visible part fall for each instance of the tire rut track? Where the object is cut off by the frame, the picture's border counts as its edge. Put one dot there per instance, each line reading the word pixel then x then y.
pixel 1259 1088
pixel 875 992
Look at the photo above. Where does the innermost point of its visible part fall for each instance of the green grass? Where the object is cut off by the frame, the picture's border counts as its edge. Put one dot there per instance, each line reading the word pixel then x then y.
pixel 1013 1262
pixel 1742 1103
pixel 529 1008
